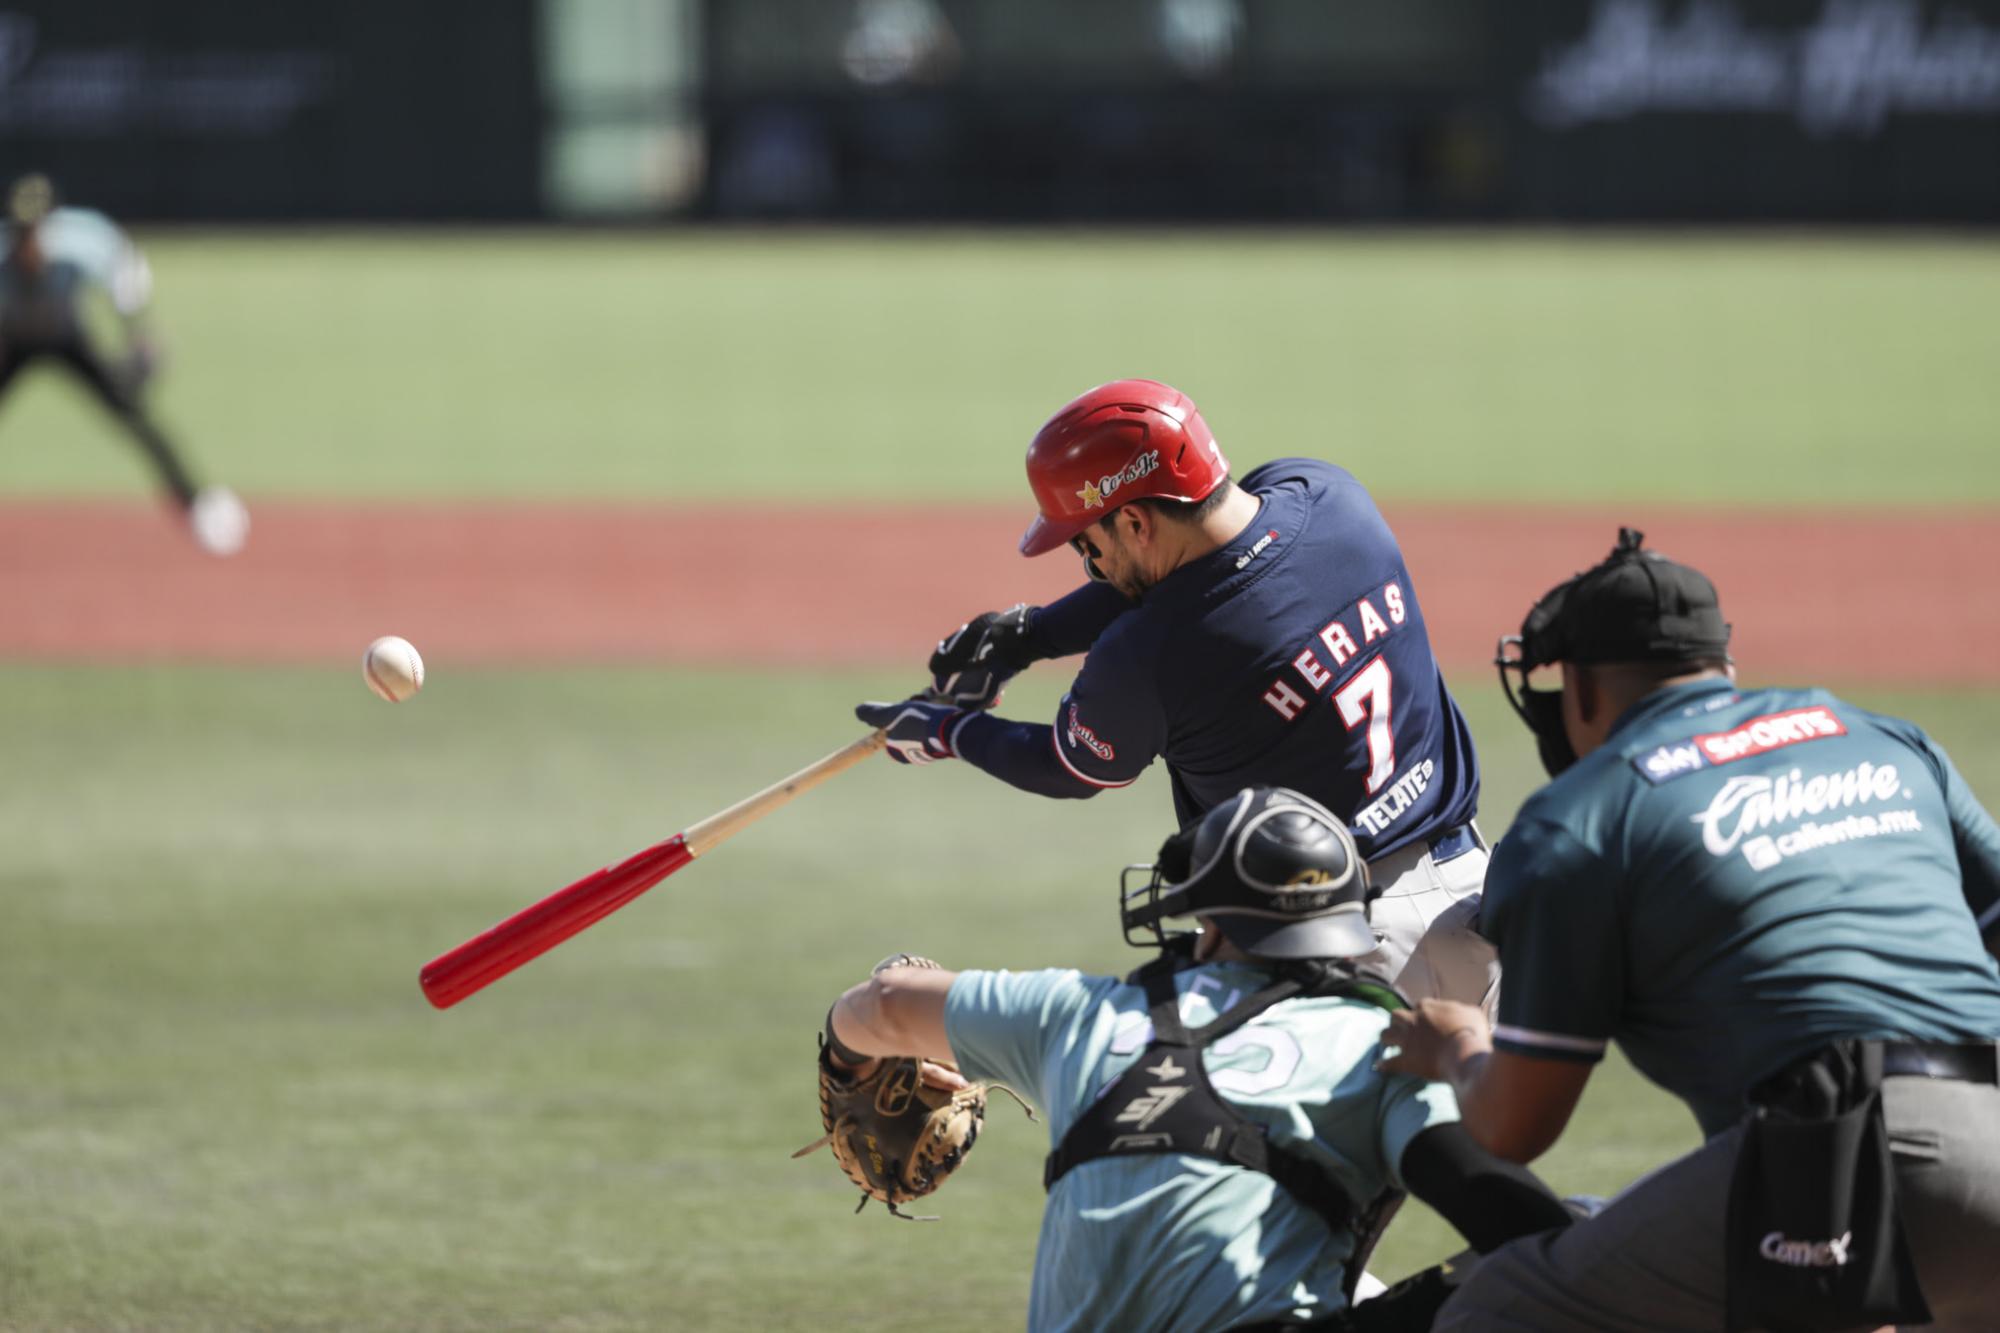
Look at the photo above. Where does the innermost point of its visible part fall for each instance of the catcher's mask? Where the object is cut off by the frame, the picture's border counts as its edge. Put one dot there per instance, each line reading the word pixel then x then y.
pixel 1635 605
pixel 1277 872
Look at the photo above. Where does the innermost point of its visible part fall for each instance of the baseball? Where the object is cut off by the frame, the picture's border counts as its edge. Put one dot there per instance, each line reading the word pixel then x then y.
pixel 392 668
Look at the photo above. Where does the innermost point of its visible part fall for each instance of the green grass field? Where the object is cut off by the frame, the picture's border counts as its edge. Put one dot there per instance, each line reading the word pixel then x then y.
pixel 224 1103
pixel 1769 369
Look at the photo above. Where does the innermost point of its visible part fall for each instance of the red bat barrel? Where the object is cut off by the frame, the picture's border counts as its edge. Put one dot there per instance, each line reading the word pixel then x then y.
pixel 533 931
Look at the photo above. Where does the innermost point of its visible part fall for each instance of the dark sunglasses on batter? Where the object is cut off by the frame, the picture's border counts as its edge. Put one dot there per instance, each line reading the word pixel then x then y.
pixel 1085 547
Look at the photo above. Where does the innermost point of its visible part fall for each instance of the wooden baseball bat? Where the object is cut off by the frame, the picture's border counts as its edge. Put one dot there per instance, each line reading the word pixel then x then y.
pixel 533 931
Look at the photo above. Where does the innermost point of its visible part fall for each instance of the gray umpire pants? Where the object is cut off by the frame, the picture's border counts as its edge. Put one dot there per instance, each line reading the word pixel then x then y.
pixel 1653 1260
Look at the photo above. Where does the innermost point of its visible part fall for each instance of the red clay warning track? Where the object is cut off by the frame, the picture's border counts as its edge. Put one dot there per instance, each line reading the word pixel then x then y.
pixel 1901 597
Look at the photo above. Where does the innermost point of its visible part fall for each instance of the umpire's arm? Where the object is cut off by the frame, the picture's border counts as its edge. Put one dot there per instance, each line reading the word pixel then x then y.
pixel 1551 909
pixel 1976 839
pixel 1515 1106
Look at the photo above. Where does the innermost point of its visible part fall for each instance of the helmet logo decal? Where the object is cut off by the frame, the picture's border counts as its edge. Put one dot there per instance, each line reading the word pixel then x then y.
pixel 1094 494
pixel 1117 441
pixel 1308 877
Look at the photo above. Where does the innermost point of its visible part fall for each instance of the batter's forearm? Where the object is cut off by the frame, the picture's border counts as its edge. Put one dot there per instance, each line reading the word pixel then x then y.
pixel 1071 623
pixel 1020 754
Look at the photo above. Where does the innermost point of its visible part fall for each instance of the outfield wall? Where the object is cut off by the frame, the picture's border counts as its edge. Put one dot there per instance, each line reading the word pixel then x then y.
pixel 1034 111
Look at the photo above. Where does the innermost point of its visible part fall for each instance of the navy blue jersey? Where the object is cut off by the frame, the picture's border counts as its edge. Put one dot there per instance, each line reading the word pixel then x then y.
pixel 1296 655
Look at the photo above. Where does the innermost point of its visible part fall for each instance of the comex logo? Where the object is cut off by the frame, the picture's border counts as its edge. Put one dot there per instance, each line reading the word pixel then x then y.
pixel 1806 1253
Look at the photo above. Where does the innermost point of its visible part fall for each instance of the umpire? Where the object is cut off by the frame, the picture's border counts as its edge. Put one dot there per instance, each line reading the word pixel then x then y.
pixel 1782 908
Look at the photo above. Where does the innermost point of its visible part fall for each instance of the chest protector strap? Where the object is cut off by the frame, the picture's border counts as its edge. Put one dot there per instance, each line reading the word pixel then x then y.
pixel 1165 1104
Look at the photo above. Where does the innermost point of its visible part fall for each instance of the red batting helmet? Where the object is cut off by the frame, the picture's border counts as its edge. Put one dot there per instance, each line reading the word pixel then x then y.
pixel 1120 442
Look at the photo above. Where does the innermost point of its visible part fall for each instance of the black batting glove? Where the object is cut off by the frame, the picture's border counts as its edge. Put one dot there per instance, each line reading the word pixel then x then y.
pixel 974 662
pixel 919 731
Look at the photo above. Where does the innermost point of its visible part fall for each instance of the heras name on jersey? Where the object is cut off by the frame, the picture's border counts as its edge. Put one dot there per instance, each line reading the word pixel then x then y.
pixel 1338 643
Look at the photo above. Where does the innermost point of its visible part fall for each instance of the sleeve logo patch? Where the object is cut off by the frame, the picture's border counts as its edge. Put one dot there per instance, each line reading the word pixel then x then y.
pixel 1079 734
pixel 1258 549
pixel 1760 735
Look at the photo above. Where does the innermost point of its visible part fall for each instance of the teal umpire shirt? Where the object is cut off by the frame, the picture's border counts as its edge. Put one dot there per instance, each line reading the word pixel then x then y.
pixel 1736 878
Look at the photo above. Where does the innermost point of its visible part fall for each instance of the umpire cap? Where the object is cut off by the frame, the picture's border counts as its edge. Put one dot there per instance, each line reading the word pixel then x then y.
pixel 1635 605
pixel 1276 871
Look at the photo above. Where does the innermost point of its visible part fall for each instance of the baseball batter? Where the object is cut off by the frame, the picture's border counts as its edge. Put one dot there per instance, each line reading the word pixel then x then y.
pixel 1266 633
pixel 1219 1125
pixel 60 262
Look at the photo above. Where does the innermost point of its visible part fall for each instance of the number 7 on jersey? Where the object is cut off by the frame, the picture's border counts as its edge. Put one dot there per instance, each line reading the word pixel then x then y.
pixel 1365 698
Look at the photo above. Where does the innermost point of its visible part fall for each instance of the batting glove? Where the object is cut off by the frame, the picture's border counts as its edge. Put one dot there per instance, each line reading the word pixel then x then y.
pixel 919 731
pixel 974 661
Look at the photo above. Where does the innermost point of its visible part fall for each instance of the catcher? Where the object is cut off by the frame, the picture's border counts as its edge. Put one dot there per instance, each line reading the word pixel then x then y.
pixel 1226 1150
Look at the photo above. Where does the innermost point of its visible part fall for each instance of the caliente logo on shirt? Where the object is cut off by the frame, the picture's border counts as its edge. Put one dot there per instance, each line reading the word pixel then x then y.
pixel 1748 805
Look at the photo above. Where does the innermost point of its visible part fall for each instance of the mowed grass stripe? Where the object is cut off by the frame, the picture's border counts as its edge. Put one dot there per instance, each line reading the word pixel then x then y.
pixel 737 366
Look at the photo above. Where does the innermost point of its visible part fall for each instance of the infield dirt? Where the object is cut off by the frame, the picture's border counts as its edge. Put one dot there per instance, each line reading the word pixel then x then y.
pixel 1888 597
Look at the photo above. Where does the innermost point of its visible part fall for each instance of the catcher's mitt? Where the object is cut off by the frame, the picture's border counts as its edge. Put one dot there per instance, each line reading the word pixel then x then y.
pixel 895 1136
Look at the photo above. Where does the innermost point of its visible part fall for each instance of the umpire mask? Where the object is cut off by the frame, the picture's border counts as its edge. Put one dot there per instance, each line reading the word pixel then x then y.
pixel 1542 710
pixel 1633 606
pixel 1277 872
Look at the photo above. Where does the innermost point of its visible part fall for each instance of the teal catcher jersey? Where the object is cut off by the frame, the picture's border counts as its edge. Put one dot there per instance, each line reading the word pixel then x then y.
pixel 1179 1243
pixel 1735 879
